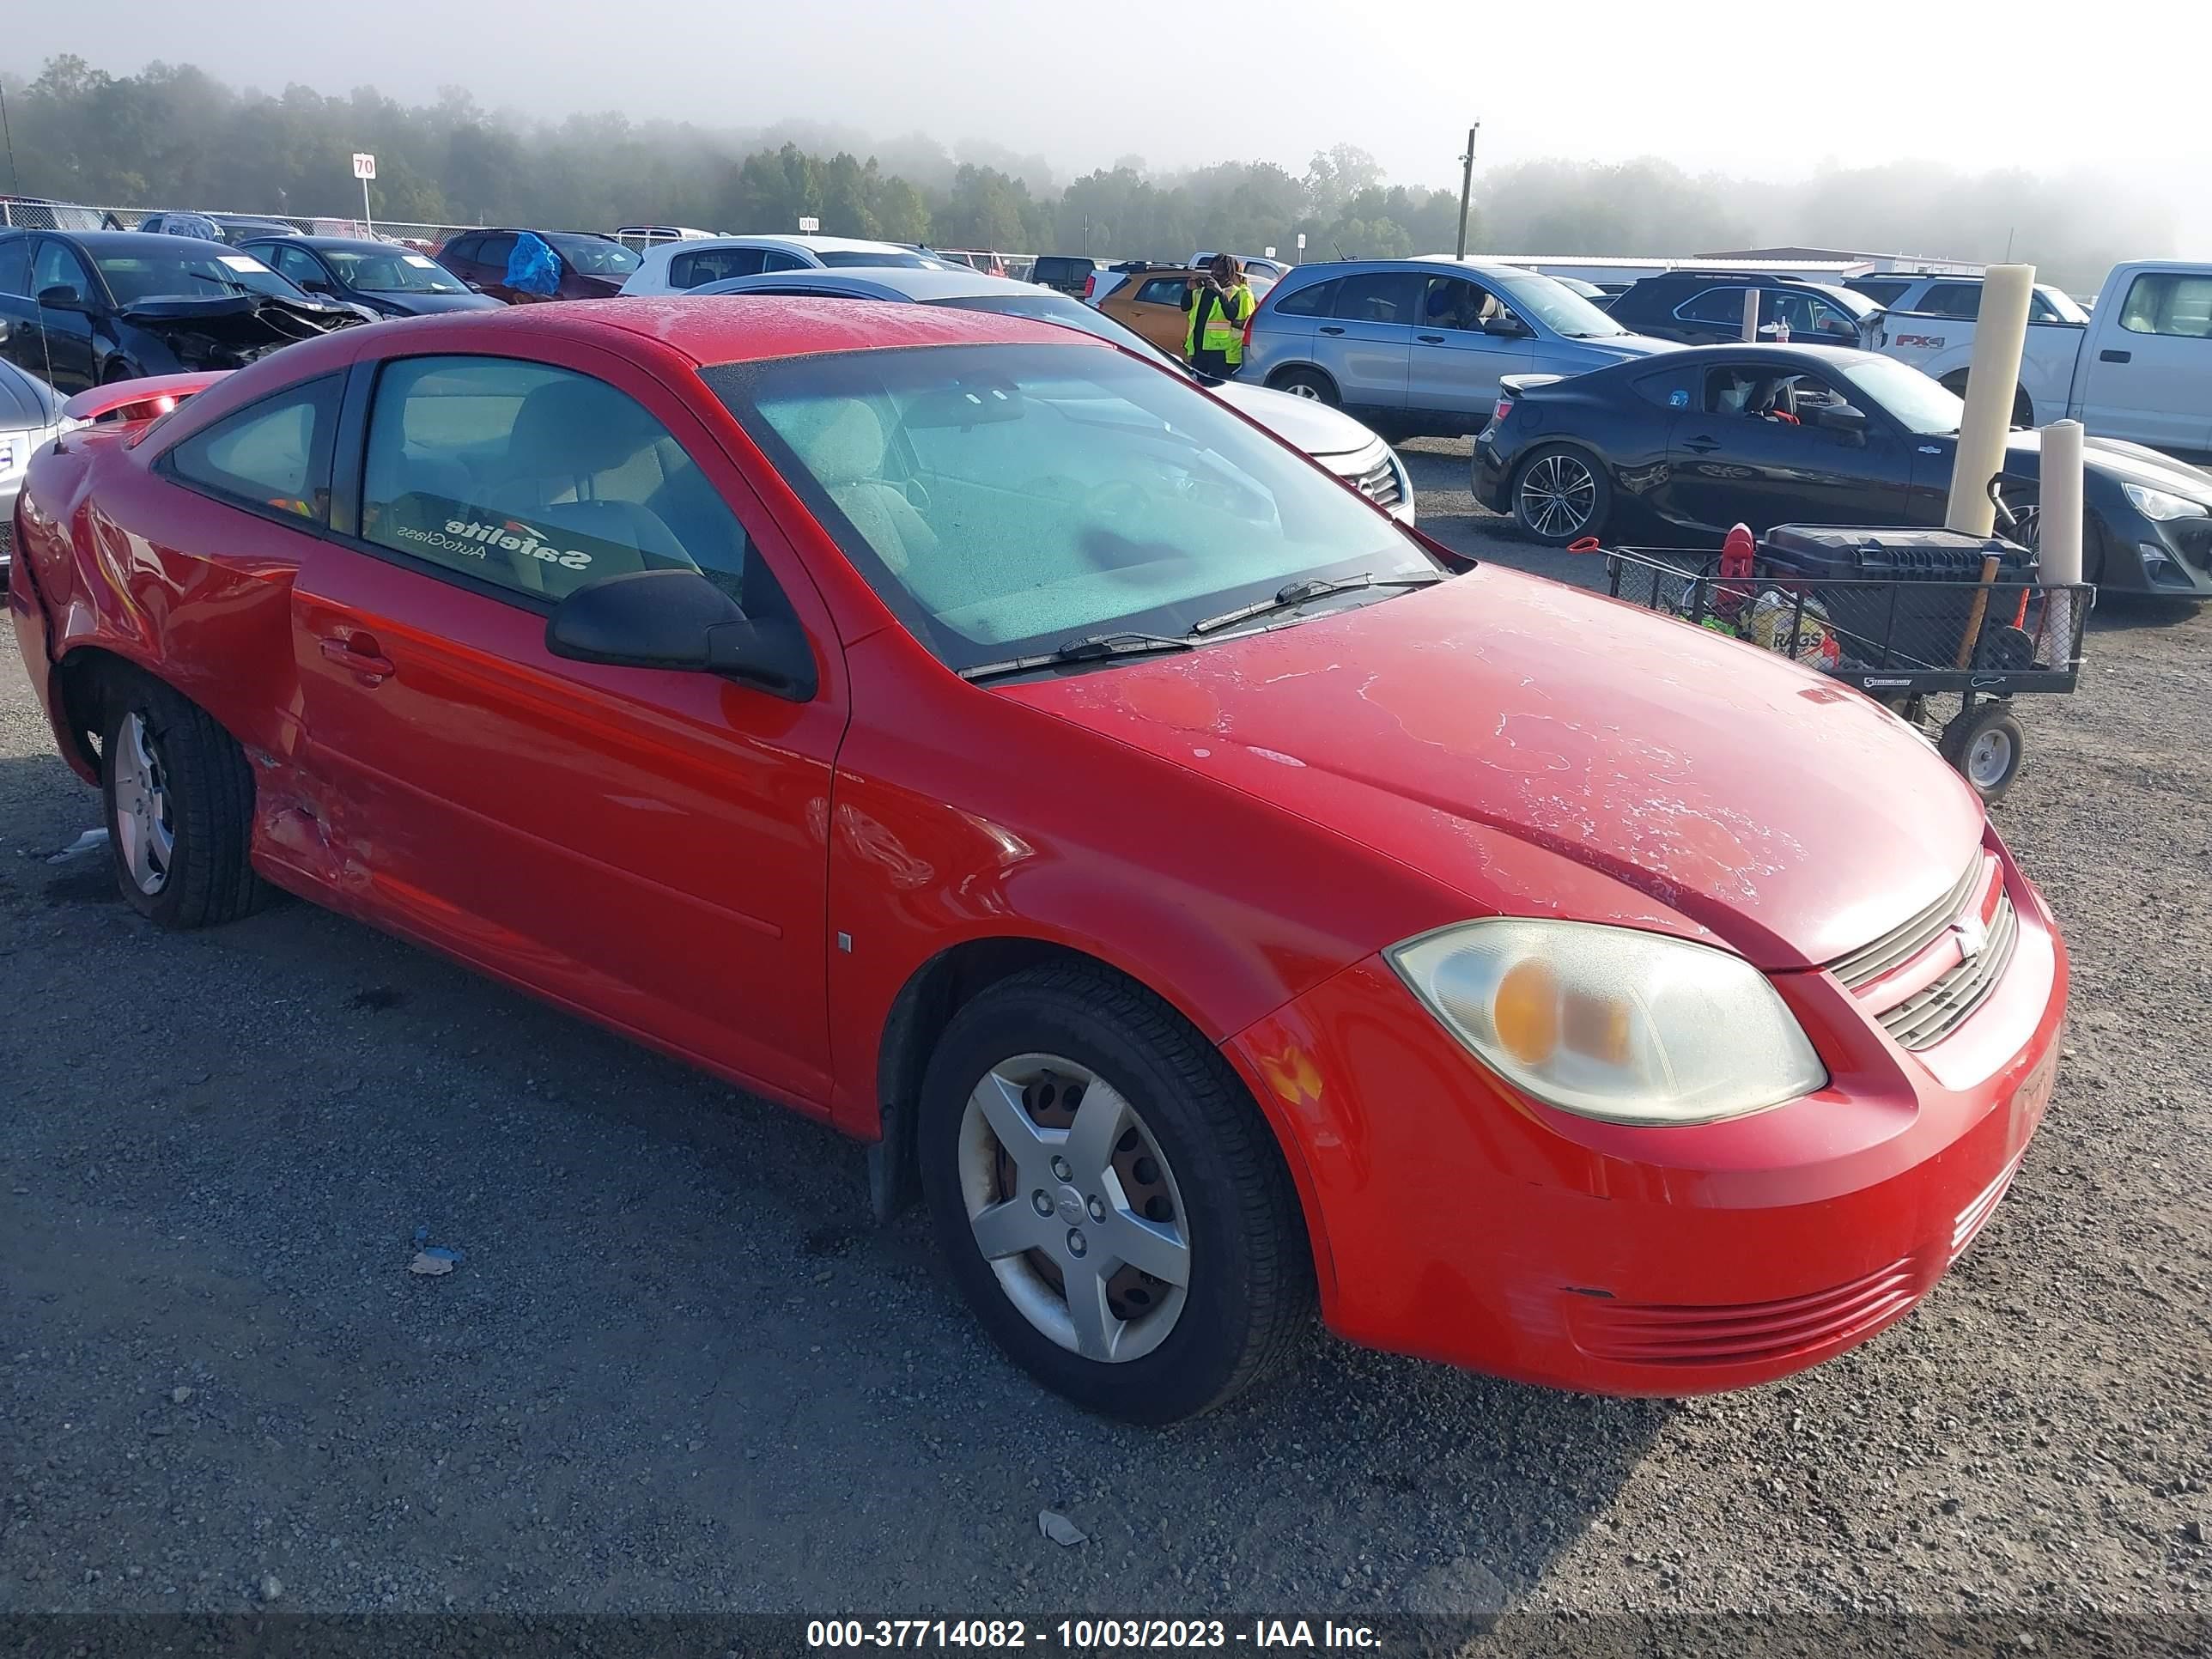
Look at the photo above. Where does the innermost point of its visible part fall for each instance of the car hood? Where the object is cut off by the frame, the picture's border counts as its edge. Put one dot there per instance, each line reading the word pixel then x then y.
pixel 1301 423
pixel 1619 348
pixel 2126 462
pixel 1790 817
pixel 229 331
pixel 427 305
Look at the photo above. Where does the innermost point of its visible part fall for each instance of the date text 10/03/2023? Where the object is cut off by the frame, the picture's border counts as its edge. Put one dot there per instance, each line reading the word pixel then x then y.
pixel 1086 1635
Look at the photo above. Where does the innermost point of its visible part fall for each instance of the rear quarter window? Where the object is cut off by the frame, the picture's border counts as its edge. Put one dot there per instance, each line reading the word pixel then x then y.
pixel 272 456
pixel 1669 388
pixel 1313 300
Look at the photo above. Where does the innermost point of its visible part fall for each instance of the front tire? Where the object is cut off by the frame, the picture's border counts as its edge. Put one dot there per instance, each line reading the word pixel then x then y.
pixel 179 799
pixel 1109 1199
pixel 1984 743
pixel 1560 496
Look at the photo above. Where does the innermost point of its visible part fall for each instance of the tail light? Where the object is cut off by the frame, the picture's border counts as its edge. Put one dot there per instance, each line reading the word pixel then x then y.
pixel 1091 285
pixel 1504 407
pixel 1249 321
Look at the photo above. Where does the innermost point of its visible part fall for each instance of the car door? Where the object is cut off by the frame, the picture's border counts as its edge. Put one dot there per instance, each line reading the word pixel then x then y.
pixel 639 844
pixel 2151 379
pixel 1737 460
pixel 1366 342
pixel 19 315
pixel 1153 306
pixel 64 357
pixel 299 266
pixel 493 251
pixel 1453 367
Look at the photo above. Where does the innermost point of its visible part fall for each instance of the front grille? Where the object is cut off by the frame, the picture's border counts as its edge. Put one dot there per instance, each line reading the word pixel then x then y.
pixel 1975 1215
pixel 1926 1018
pixel 1656 1334
pixel 1371 474
pixel 1913 935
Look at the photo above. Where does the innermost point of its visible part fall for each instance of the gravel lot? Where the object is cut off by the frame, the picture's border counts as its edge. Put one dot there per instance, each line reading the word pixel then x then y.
pixel 677 1371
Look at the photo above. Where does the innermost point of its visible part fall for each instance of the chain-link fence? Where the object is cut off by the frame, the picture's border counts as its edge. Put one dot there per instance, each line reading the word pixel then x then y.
pixel 31 213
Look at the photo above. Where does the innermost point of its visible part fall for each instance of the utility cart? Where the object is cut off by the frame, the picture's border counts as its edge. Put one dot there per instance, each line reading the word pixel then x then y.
pixel 1922 616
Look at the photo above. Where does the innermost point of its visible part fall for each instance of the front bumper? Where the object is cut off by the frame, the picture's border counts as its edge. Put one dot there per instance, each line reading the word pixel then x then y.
pixel 1455 1221
pixel 2170 557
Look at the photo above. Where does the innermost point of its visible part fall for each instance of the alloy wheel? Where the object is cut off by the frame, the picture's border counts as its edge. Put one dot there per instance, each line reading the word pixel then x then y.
pixel 1558 495
pixel 1305 389
pixel 143 828
pixel 1072 1203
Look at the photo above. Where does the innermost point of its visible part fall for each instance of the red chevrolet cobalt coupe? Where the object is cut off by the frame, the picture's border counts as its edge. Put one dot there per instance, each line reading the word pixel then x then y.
pixel 966 733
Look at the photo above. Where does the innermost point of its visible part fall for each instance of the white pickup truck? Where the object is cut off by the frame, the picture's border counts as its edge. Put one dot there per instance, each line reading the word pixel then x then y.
pixel 2139 367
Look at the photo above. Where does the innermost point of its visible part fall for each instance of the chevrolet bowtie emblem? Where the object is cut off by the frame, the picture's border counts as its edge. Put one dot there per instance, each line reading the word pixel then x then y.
pixel 1972 936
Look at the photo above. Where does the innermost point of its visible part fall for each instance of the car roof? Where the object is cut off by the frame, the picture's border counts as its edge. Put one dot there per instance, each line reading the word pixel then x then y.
pixel 1802 356
pixel 122 242
pixel 769 328
pixel 1420 265
pixel 905 282
pixel 365 244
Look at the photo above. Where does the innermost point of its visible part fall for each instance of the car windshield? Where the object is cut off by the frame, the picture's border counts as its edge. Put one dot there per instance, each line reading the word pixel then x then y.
pixel 595 256
pixel 134 277
pixel 1068 313
pixel 1556 305
pixel 392 271
pixel 1925 408
pixel 1007 500
pixel 839 259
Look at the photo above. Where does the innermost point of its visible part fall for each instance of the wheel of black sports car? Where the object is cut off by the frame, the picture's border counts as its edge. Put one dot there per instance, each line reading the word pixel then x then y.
pixel 1560 494
pixel 1108 1199
pixel 180 798
pixel 1984 745
pixel 1309 382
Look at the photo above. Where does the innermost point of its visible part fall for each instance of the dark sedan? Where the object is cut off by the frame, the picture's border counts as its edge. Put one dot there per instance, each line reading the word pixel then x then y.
pixel 592 266
pixel 80 308
pixel 1676 448
pixel 390 280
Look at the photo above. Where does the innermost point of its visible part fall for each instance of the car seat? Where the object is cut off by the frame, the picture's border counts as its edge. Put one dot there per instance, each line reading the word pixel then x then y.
pixel 843 444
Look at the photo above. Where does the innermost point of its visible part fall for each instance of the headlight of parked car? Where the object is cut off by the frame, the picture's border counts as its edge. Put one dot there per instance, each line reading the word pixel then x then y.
pixel 1612 1023
pixel 2157 504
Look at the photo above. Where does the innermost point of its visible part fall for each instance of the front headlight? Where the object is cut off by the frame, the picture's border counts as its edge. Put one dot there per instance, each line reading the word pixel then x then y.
pixel 2157 505
pixel 1612 1023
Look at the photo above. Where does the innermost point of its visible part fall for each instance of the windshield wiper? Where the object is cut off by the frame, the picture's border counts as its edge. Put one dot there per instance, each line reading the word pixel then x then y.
pixel 1305 592
pixel 231 283
pixel 1091 647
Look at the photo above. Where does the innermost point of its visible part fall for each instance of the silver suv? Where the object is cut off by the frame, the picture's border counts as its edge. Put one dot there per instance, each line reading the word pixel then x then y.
pixel 1420 344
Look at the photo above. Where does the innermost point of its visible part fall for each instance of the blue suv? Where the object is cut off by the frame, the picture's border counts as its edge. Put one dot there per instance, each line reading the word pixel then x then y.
pixel 1419 345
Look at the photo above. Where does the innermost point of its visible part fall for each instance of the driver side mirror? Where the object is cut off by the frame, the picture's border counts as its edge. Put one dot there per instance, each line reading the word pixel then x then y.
pixel 62 297
pixel 1505 325
pixel 316 285
pixel 679 620
pixel 1847 420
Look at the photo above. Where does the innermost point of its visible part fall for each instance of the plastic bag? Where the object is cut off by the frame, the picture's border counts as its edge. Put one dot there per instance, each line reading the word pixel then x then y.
pixel 1769 626
pixel 533 267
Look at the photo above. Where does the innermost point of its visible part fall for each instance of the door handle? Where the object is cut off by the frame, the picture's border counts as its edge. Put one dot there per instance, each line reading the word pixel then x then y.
pixel 1329 328
pixel 359 655
pixel 1702 446
pixel 2116 356
pixel 1430 339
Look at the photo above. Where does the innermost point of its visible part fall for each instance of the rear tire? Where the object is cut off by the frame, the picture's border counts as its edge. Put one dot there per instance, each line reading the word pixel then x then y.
pixel 1012 1162
pixel 179 799
pixel 1560 494
pixel 1309 383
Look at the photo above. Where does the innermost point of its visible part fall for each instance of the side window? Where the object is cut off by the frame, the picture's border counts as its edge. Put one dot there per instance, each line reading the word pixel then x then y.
pixel 1380 296
pixel 1952 300
pixel 1456 303
pixel 297 264
pixel 1729 389
pixel 1671 388
pixel 1719 305
pixel 56 266
pixel 538 480
pixel 2040 308
pixel 692 269
pixel 1882 292
pixel 773 260
pixel 462 250
pixel 495 249
pixel 272 455
pixel 1313 300
pixel 16 265
pixel 2176 302
pixel 1162 291
pixel 1833 323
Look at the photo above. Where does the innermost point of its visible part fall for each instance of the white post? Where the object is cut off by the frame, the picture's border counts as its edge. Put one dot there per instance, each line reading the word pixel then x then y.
pixel 1992 377
pixel 1751 315
pixel 368 225
pixel 2059 535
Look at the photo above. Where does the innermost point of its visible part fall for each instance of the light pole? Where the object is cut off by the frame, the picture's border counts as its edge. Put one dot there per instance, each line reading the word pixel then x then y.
pixel 1466 185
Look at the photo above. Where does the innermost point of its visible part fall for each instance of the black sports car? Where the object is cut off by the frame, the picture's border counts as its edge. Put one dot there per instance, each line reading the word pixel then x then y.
pixel 390 280
pixel 1674 449
pixel 80 308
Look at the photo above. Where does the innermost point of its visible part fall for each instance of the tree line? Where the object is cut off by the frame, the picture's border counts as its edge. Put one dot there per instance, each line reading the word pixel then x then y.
pixel 174 137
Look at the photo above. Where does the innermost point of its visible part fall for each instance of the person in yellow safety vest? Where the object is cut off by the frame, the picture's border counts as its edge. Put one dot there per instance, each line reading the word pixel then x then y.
pixel 1221 304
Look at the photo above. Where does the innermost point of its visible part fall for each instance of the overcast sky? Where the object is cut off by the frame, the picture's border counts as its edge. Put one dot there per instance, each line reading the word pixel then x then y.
pixel 1085 81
